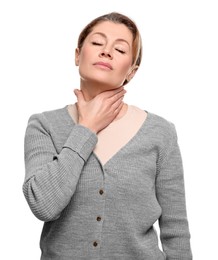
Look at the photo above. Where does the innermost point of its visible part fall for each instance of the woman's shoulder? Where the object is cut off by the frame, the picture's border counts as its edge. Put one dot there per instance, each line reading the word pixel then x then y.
pixel 158 123
pixel 49 118
pixel 51 113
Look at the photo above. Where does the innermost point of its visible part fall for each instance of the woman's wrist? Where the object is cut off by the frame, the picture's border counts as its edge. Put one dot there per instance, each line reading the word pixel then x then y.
pixel 89 126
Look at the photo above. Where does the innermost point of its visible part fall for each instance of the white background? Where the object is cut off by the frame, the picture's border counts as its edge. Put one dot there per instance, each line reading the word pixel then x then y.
pixel 177 80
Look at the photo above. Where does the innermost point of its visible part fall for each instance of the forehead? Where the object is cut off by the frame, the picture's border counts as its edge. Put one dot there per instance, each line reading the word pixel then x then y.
pixel 113 30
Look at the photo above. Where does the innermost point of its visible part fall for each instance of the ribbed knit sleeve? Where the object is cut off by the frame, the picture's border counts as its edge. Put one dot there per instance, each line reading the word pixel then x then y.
pixel 174 230
pixel 51 177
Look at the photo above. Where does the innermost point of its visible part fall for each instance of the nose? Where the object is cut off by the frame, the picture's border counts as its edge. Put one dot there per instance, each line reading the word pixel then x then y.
pixel 106 54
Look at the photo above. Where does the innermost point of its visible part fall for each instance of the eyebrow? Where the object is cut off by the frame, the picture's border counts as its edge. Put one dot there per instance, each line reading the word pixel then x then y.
pixel 119 39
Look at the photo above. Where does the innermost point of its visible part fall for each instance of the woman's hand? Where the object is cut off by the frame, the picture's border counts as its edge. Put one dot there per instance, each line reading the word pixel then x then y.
pixel 99 112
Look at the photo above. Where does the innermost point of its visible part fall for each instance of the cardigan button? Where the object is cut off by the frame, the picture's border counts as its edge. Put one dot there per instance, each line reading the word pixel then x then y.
pixel 101 191
pixel 95 244
pixel 98 218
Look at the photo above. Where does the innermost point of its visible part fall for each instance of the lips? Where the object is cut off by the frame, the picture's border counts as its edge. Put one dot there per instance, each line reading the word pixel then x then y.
pixel 103 65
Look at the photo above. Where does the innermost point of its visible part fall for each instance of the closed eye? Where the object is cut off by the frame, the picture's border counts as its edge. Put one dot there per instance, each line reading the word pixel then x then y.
pixel 121 51
pixel 96 43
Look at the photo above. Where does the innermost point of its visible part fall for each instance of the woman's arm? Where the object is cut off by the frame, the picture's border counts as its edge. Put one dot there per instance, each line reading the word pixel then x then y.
pixel 51 178
pixel 174 229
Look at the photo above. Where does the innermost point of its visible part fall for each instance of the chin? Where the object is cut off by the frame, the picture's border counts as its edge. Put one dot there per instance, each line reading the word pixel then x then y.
pixel 102 79
pixel 109 85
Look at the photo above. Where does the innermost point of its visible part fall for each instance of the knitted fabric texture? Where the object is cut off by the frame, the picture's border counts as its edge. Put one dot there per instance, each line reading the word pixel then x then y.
pixel 93 211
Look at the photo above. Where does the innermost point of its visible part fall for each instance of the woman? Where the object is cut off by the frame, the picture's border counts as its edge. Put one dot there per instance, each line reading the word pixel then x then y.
pixel 100 172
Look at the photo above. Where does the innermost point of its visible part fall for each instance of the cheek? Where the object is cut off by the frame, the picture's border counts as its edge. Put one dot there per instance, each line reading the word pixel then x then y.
pixel 126 67
pixel 84 55
pixel 85 61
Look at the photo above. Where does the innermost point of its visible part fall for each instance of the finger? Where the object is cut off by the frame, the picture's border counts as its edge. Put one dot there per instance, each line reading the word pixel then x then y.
pixel 116 104
pixel 117 96
pixel 118 109
pixel 112 92
pixel 75 92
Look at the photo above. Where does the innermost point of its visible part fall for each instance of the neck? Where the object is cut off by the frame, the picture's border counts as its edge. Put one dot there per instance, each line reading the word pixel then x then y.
pixel 91 90
pixel 90 93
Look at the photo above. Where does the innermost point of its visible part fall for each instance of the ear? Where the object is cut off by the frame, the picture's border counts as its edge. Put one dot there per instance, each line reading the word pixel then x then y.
pixel 77 52
pixel 132 73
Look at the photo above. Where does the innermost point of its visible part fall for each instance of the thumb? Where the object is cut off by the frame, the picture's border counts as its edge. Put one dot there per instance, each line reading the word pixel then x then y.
pixel 78 93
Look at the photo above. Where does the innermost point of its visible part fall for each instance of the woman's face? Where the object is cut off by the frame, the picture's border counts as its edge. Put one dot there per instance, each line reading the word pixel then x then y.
pixel 106 55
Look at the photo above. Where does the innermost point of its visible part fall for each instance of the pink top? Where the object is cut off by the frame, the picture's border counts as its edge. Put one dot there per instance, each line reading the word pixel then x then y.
pixel 122 130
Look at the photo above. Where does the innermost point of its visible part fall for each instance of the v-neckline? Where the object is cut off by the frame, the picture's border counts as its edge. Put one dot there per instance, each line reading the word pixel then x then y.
pixel 144 125
pixel 125 146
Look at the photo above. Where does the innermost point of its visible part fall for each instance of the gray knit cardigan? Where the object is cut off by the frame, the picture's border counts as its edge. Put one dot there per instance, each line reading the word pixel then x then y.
pixel 105 212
